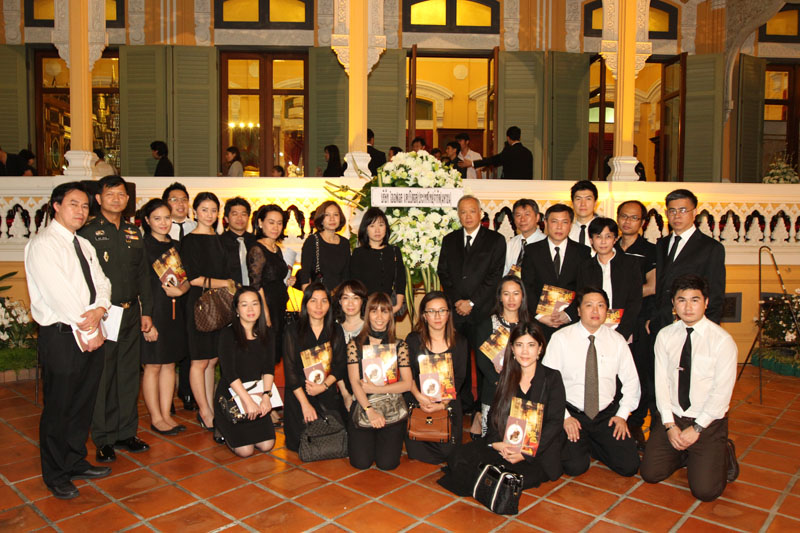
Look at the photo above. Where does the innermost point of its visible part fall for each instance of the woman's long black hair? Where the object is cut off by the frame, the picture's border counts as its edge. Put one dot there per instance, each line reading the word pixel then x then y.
pixel 260 329
pixel 148 209
pixel 512 373
pixel 523 308
pixel 329 324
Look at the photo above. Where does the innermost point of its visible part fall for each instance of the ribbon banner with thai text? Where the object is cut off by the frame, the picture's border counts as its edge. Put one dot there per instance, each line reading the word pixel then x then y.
pixel 415 197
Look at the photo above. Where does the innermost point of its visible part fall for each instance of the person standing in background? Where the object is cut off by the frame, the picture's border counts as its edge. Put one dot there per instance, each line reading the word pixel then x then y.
pixel 160 152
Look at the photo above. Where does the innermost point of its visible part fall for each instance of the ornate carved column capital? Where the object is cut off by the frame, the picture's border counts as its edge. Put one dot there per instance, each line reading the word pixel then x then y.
pixel 98 38
pixel 12 16
pixel 511 25
pixel 340 39
pixel 609 51
pixel 202 22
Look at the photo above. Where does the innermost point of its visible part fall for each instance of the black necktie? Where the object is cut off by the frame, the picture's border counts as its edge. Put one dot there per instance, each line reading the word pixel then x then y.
pixel 469 244
pixel 673 250
pixel 87 274
pixel 557 261
pixel 582 238
pixel 521 253
pixel 685 375
pixel 180 233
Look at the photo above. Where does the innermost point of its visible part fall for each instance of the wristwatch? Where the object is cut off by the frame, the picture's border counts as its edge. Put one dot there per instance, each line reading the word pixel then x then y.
pixel 669 426
pixel 268 393
pixel 698 428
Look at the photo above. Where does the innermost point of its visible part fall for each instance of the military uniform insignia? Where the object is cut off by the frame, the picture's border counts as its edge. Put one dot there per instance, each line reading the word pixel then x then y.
pixel 105 256
pixel 99 232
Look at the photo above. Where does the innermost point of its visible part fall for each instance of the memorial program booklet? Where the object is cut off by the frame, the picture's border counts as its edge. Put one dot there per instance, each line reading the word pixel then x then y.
pixel 524 426
pixel 317 362
pixel 495 346
pixel 554 299
pixel 436 376
pixel 379 363
pixel 169 268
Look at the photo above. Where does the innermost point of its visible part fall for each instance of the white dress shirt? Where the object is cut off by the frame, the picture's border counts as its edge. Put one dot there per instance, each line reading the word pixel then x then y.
pixel 605 268
pixel 714 357
pixel 566 353
pixel 575 231
pixel 56 285
pixel 684 237
pixel 188 227
pixel 514 246
pixel 473 156
pixel 562 249
pixel 473 235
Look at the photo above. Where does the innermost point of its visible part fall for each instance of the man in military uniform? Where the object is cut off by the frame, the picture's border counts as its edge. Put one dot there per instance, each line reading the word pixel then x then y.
pixel 121 254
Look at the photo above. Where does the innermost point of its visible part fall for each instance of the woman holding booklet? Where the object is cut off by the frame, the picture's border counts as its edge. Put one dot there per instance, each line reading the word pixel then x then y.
pixel 247 368
pixel 377 365
pixel 438 356
pixel 510 309
pixel 525 421
pixel 314 361
pixel 165 341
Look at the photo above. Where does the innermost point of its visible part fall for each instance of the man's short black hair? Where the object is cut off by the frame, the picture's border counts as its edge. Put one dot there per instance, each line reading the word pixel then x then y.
pixel 463 136
pixel 583 185
pixel 680 194
pixel 109 182
pixel 597 225
pixel 526 202
pixel 689 282
pixel 160 148
pixel 514 133
pixel 230 203
pixel 559 208
pixel 58 194
pixel 175 186
pixel 395 149
pixel 99 153
pixel 370 135
pixel 26 154
pixel 637 202
pixel 435 152
pixel 454 145
pixel 583 291
pixel 419 140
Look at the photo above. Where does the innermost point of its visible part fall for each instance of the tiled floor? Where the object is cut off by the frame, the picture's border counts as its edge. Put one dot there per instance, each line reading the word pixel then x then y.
pixel 191 484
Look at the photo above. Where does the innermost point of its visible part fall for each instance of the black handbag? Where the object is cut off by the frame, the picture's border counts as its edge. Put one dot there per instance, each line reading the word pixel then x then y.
pixel 229 407
pixel 317 274
pixel 324 438
pixel 498 489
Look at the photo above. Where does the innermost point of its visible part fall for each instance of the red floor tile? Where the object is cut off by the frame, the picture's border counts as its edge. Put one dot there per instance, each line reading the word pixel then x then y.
pixel 643 516
pixel 8 498
pixel 693 525
pixel 17 451
pixel 334 469
pixel 603 478
pixel 33 489
pixel 731 514
pixel 286 518
pixel 751 494
pixel 583 498
pixel 109 517
pixel 258 466
pixel 375 518
pixel 462 517
pixel 763 477
pixel 781 524
pixel 373 482
pixel 416 500
pixel 607 527
pixel 674 498
pixel 158 501
pixel 130 483
pixel 182 467
pixel 554 517
pixel 24 469
pixel 212 482
pixel 772 461
pixel 293 482
pixel 414 469
pixel 786 449
pixel 245 501
pixel 790 506
pixel 21 518
pixel 331 500
pixel 197 518
pixel 56 510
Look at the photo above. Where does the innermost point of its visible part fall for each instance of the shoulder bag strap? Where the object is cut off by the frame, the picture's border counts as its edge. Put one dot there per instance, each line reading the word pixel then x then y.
pixel 316 244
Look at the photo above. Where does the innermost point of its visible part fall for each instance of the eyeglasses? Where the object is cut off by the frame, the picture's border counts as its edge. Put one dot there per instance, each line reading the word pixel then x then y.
pixel 635 218
pixel 178 200
pixel 437 312
pixel 682 210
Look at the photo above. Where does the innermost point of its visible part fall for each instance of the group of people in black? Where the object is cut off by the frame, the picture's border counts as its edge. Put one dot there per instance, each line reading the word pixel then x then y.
pixel 594 379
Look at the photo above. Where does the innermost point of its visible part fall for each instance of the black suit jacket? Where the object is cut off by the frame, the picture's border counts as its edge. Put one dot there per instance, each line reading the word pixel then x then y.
pixel 537 269
pixel 701 255
pixel 229 240
pixel 626 285
pixel 377 159
pixel 516 160
pixel 474 276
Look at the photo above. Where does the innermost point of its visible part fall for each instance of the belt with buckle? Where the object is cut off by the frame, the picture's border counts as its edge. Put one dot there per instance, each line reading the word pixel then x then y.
pixel 125 305
pixel 60 327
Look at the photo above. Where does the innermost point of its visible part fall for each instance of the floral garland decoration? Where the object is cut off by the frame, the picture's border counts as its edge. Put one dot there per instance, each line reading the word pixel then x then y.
pixel 417 231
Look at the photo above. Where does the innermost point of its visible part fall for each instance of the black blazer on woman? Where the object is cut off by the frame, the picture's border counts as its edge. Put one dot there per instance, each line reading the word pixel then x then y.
pixel 379 270
pixel 626 287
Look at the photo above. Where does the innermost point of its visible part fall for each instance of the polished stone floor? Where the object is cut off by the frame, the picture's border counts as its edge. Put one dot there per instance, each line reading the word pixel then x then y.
pixel 189 483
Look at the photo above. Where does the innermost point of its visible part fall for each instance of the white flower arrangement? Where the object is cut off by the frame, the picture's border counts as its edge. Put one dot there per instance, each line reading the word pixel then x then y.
pixel 781 171
pixel 16 326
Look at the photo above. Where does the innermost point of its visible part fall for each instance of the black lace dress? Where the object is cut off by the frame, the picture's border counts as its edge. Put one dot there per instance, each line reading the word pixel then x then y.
pixel 267 271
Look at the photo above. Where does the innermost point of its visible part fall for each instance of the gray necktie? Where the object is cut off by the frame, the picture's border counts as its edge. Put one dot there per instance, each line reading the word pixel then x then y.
pixel 243 261
pixel 591 392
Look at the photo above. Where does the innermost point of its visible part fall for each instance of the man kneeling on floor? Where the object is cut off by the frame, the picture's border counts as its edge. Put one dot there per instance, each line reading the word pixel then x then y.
pixel 695 371
pixel 590 357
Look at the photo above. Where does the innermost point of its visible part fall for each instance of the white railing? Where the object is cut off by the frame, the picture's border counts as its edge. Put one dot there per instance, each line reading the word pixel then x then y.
pixel 753 214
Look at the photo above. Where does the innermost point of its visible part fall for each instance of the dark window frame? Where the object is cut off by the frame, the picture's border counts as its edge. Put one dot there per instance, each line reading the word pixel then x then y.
pixel 672 13
pixel 764 37
pixel 450 25
pixel 588 9
pixel 263 22
pixel 31 22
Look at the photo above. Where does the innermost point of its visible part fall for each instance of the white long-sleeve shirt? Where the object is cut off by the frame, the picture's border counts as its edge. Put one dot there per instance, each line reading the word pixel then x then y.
pixel 56 285
pixel 514 245
pixel 188 226
pixel 567 354
pixel 714 358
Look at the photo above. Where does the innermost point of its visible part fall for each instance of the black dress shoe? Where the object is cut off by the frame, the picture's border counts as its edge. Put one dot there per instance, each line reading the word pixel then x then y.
pixel 180 428
pixel 133 445
pixel 93 472
pixel 64 491
pixel 189 404
pixel 218 438
pixel 638 436
pixel 105 454
pixel 168 432
pixel 733 464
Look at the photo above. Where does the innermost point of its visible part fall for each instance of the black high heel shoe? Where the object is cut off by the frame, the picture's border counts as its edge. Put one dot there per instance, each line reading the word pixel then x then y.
pixel 203 424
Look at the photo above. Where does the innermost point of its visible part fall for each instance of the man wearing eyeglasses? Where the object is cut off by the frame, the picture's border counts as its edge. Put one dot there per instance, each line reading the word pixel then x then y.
pixel 686 250
pixel 631 216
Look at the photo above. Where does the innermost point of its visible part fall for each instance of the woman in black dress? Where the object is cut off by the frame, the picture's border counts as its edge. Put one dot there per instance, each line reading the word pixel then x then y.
pixel 315 337
pixel 511 308
pixel 246 356
pixel 165 341
pixel 335 168
pixel 522 377
pixel 435 337
pixel 376 263
pixel 380 444
pixel 267 268
pixel 326 255
pixel 204 258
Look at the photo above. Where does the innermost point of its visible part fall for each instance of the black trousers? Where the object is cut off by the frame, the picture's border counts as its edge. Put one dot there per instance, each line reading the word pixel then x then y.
pixel 116 416
pixel 597 441
pixel 705 460
pixel 380 446
pixel 70 379
pixel 469 331
pixel 644 359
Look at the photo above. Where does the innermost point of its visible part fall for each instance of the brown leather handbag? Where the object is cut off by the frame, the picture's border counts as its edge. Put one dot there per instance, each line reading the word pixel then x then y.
pixel 430 427
pixel 213 310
